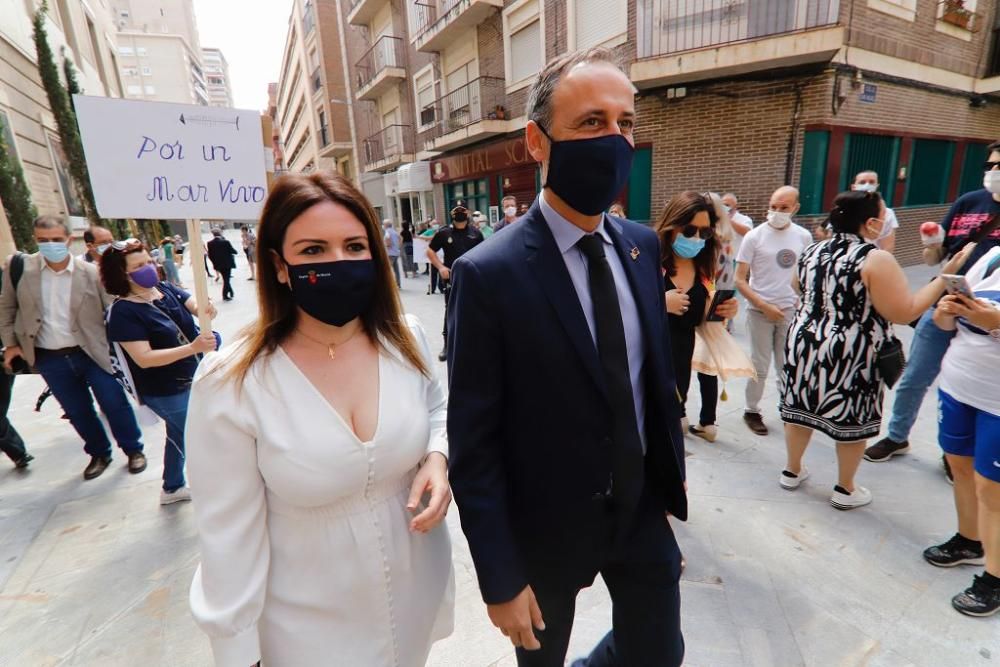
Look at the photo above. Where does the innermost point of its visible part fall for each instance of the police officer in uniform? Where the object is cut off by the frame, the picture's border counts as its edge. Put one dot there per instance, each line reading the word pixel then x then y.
pixel 456 240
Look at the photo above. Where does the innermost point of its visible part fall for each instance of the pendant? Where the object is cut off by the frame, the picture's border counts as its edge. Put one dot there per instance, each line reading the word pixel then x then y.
pixel 331 350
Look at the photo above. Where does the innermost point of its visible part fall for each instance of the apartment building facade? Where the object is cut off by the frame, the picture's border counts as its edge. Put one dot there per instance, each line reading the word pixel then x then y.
pixel 81 32
pixel 741 95
pixel 313 105
pixel 216 69
pixel 160 52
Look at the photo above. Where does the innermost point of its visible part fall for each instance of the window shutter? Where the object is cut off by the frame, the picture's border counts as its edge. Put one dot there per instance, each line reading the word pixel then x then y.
pixel 597 21
pixel 526 51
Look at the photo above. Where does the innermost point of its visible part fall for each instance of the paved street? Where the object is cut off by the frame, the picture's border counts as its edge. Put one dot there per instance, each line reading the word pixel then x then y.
pixel 97 573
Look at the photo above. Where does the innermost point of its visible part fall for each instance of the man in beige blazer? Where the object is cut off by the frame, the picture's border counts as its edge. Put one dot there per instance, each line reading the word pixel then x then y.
pixel 54 321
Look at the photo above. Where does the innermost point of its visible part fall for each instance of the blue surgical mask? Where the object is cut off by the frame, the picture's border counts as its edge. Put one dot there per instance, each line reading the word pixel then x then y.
pixel 588 174
pixel 53 251
pixel 103 248
pixel 688 248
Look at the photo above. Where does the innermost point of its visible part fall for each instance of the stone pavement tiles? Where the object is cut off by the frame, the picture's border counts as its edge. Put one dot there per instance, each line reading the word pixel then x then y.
pixel 97 573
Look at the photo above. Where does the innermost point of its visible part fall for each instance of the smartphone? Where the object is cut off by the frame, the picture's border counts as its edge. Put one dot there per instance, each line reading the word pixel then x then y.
pixel 957 285
pixel 721 296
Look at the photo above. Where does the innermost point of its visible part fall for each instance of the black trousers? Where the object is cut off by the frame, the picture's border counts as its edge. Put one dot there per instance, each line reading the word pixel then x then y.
pixel 11 443
pixel 227 285
pixel 446 292
pixel 682 352
pixel 645 617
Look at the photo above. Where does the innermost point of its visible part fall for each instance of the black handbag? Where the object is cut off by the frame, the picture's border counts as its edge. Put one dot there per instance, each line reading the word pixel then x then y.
pixel 890 361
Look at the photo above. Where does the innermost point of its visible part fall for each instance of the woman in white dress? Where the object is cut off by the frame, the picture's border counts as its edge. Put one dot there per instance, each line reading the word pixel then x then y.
pixel 317 455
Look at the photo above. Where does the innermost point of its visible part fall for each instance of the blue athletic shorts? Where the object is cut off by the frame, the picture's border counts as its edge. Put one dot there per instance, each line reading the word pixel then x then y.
pixel 966 431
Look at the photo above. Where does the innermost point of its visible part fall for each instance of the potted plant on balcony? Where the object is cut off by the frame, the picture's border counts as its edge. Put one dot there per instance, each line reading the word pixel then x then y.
pixel 955 13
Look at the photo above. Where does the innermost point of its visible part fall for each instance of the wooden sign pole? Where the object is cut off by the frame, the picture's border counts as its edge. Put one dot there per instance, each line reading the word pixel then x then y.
pixel 196 251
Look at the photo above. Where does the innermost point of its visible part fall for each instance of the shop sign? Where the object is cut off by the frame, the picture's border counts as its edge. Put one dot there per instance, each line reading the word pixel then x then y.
pixel 483 162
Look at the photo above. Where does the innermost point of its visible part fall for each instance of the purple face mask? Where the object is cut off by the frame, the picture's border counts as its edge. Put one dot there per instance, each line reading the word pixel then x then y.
pixel 145 277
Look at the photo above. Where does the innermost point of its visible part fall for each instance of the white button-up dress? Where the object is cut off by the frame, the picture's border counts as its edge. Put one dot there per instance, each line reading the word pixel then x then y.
pixel 307 556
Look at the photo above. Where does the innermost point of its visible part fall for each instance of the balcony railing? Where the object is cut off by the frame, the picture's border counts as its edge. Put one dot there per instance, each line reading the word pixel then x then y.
pixel 316 80
pixel 386 52
pixel 391 142
pixel 480 99
pixel 672 26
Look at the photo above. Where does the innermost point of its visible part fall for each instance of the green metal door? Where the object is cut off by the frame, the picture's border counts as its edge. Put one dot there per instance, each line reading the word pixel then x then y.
pixel 930 171
pixel 870 152
pixel 814 155
pixel 972 168
pixel 640 185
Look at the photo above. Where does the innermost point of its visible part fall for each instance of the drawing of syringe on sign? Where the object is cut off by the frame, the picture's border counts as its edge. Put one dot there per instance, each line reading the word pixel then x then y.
pixel 205 120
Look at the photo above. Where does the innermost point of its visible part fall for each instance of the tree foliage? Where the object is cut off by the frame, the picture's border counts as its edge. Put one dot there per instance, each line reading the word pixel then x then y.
pixel 16 197
pixel 72 84
pixel 59 103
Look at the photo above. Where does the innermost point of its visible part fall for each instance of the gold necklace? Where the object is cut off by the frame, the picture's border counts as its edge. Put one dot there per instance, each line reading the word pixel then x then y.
pixel 331 348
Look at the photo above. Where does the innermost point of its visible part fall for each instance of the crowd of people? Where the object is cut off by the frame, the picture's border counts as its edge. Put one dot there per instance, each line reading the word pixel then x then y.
pixel 324 449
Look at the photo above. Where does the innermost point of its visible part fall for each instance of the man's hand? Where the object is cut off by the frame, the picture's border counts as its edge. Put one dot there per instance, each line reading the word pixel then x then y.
pixel 445 273
pixel 772 312
pixel 10 354
pixel 517 618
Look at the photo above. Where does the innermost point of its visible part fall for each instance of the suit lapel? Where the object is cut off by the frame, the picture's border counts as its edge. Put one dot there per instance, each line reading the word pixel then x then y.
pixel 32 279
pixel 552 277
pixel 78 290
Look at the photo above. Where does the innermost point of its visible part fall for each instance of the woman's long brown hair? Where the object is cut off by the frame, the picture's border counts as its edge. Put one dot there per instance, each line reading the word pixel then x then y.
pixel 290 196
pixel 678 213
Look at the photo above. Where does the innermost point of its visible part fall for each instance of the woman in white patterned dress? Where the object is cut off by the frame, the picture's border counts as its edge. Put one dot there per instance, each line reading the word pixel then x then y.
pixel 851 291
pixel 313 448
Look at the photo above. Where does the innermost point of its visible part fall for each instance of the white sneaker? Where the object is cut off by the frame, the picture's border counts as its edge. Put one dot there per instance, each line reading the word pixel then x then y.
pixel 848 501
pixel 790 481
pixel 709 433
pixel 179 495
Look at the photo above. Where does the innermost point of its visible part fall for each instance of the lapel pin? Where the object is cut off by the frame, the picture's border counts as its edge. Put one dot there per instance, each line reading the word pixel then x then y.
pixel 635 254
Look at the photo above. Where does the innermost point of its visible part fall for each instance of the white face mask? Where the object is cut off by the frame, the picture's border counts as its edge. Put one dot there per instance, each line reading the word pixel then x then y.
pixel 865 187
pixel 510 211
pixel 873 233
pixel 779 219
pixel 991 181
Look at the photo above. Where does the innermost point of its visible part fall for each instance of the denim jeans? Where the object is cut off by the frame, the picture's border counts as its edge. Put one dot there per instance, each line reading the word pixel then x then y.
pixel 170 270
pixel 394 260
pixel 173 411
pixel 926 353
pixel 11 443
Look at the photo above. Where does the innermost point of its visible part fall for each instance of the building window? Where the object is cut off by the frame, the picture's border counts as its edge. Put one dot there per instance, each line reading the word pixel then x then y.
pixel 134 89
pixel 308 18
pixel 324 131
pixel 423 84
pixel 930 172
pixel 524 46
pixel 126 51
pixel 597 22
pixel 146 71
pixel 150 90
pixel 141 51
pixel 130 71
pixel 903 9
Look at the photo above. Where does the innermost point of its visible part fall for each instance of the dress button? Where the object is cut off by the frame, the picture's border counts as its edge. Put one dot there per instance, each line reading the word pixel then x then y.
pixel 607 441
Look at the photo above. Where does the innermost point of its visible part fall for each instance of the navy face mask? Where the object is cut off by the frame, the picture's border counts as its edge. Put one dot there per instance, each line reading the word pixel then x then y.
pixel 333 292
pixel 588 174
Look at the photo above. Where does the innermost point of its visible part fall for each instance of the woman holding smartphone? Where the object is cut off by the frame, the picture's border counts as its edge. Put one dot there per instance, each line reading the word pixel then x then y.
pixel 690 249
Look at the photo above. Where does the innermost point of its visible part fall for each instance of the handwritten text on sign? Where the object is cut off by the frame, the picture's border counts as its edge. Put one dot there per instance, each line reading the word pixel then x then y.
pixel 157 160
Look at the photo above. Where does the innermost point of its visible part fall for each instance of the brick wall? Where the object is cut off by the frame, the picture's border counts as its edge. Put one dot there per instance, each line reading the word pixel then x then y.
pixel 918 40
pixel 331 59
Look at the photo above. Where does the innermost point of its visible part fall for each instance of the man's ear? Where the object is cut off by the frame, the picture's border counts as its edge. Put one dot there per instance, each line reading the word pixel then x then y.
pixel 536 141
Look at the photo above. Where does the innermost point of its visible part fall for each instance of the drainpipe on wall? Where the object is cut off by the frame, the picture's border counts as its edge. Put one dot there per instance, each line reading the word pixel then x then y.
pixel 793 134
pixel 341 17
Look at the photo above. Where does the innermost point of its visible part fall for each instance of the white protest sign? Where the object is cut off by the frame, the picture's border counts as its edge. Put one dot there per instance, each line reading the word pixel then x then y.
pixel 159 160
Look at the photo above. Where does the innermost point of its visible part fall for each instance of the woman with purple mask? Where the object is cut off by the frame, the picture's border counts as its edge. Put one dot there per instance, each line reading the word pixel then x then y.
pixel 158 346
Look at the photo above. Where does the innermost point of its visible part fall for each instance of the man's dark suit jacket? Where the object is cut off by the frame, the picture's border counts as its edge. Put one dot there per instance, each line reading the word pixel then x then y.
pixel 529 422
pixel 221 253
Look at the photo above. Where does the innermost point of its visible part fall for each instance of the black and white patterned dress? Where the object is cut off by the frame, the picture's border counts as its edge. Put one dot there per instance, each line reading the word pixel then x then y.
pixel 831 382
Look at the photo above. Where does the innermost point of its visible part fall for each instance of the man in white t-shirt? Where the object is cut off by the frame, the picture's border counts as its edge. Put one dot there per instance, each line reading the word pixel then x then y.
pixel 764 269
pixel 868 182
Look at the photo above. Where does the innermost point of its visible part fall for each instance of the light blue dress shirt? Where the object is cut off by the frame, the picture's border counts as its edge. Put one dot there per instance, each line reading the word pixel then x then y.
pixel 567 235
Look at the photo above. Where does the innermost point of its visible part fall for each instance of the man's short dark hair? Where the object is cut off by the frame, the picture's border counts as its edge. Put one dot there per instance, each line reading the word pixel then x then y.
pixel 216 232
pixel 995 146
pixel 539 105
pixel 51 222
pixel 88 235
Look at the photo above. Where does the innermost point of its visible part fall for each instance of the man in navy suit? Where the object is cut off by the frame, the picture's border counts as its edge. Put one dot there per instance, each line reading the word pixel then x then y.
pixel 563 421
